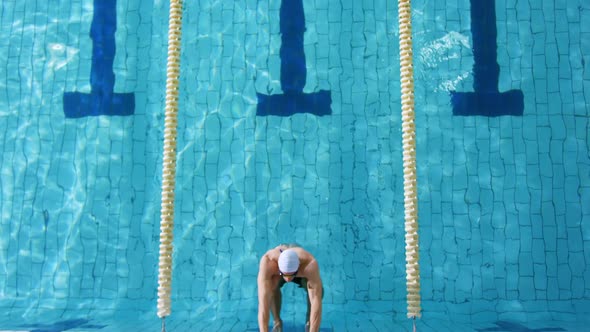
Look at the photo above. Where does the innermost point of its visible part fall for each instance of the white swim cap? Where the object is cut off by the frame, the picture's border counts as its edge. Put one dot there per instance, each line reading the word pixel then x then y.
pixel 288 261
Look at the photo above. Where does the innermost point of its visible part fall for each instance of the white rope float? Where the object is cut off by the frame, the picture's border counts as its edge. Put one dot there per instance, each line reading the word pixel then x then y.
pixel 409 159
pixel 169 160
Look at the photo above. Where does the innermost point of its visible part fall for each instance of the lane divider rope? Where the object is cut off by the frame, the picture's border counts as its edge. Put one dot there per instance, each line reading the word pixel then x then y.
pixel 409 159
pixel 169 160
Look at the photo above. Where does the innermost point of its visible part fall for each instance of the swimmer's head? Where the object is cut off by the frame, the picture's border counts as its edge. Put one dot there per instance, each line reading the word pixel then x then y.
pixel 288 262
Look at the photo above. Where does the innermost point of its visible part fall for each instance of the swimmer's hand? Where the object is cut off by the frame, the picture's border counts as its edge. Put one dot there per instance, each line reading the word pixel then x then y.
pixel 307 327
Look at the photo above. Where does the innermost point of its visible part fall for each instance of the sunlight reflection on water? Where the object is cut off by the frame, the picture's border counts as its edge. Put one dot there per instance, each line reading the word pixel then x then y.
pixel 434 56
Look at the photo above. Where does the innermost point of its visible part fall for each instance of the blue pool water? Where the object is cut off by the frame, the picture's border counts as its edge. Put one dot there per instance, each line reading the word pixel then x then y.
pixel 504 197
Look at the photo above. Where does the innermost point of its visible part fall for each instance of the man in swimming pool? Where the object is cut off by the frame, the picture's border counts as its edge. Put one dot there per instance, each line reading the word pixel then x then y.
pixel 278 266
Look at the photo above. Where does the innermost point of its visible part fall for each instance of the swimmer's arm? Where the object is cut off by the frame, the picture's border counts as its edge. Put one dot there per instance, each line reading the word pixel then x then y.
pixel 314 290
pixel 264 295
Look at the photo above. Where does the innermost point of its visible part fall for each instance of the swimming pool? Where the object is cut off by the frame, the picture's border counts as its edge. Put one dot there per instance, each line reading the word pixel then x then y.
pixel 503 197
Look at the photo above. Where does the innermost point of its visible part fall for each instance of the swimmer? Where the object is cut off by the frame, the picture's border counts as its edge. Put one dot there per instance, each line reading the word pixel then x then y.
pixel 278 266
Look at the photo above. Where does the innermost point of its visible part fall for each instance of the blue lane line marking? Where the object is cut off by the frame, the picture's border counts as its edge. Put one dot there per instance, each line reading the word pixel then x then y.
pixel 102 100
pixel 515 327
pixel 293 70
pixel 63 326
pixel 486 100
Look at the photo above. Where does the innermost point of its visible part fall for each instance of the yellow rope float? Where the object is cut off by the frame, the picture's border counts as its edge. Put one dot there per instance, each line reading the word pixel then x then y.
pixel 169 159
pixel 409 159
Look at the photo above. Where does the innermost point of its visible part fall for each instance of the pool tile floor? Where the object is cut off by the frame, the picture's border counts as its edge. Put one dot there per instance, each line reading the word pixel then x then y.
pixel 334 324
